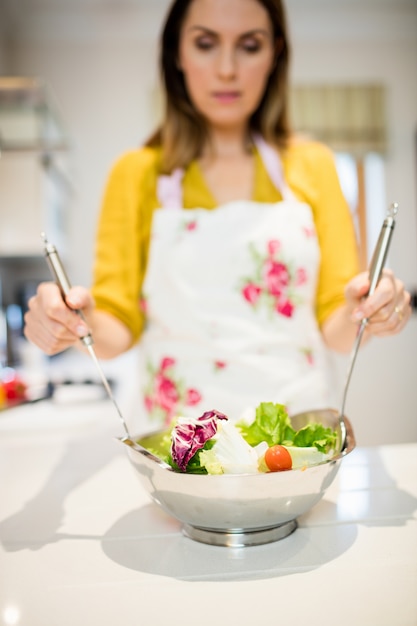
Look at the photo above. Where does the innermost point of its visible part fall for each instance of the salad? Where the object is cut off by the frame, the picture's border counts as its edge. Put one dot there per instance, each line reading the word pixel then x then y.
pixel 213 444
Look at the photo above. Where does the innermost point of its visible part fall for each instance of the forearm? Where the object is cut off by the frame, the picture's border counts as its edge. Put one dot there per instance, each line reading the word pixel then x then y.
pixel 339 331
pixel 111 337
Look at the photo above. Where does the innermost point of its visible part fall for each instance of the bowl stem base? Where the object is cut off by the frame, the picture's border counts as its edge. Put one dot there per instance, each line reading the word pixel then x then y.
pixel 239 538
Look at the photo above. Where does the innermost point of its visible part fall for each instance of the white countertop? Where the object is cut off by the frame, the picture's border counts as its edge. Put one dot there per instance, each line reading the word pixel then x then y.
pixel 82 545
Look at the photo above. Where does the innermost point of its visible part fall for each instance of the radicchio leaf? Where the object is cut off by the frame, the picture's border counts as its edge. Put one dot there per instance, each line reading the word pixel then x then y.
pixel 188 436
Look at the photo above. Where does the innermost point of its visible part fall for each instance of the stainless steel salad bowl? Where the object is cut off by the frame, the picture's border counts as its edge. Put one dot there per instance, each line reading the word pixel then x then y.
pixel 241 509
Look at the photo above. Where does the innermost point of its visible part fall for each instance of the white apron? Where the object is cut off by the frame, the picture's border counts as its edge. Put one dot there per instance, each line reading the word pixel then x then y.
pixel 230 296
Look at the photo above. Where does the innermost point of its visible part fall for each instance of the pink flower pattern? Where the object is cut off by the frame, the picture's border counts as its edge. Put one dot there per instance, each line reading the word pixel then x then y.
pixel 165 395
pixel 275 281
pixel 251 292
pixel 143 304
pixel 188 225
pixel 309 355
pixel 192 225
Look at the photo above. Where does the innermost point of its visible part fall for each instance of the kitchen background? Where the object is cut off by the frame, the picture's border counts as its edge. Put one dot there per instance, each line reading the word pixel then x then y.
pixel 98 60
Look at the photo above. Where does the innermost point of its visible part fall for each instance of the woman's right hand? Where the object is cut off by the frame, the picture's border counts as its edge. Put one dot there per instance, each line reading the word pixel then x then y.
pixel 52 324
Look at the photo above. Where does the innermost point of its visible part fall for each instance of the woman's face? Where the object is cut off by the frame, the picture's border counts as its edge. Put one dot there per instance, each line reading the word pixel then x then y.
pixel 226 54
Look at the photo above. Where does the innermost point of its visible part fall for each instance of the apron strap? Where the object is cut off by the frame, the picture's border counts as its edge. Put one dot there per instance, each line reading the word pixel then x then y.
pixel 169 190
pixel 273 166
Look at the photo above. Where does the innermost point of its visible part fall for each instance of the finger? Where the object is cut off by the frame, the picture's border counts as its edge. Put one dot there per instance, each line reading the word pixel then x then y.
pixel 79 298
pixel 47 334
pixel 49 322
pixel 379 306
pixel 396 321
pixel 51 339
pixel 51 310
pixel 356 290
pixel 357 287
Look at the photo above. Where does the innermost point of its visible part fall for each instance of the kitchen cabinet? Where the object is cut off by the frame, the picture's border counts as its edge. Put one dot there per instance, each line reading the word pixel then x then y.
pixel 35 185
pixel 32 199
pixel 35 192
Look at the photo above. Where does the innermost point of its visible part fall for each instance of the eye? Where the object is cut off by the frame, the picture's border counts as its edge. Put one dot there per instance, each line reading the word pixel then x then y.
pixel 251 45
pixel 204 43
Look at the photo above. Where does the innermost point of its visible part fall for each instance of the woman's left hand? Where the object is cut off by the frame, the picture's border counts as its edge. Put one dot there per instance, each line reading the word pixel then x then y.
pixel 387 309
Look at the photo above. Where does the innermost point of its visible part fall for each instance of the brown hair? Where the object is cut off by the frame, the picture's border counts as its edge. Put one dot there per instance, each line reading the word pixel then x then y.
pixel 183 130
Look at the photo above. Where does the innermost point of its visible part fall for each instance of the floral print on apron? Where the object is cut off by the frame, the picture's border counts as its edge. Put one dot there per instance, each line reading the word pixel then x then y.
pixel 230 298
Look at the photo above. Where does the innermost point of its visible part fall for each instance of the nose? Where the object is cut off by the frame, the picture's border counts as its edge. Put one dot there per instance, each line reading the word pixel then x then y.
pixel 226 65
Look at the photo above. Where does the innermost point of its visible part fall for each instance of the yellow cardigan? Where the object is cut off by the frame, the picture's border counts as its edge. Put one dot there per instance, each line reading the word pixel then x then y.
pixel 130 199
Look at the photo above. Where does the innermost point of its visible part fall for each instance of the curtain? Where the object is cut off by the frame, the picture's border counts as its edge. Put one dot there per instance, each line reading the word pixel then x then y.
pixel 348 118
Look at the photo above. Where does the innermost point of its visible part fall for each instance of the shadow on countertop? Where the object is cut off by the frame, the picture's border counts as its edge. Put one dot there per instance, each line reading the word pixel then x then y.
pixel 148 540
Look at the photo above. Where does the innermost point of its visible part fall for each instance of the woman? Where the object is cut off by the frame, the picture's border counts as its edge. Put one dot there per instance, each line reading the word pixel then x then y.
pixel 225 244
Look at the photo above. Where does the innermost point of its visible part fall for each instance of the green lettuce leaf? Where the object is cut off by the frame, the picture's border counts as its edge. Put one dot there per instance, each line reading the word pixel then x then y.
pixel 315 435
pixel 271 424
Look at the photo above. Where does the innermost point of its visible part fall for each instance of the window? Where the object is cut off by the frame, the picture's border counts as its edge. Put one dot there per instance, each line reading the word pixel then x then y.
pixel 363 184
pixel 350 119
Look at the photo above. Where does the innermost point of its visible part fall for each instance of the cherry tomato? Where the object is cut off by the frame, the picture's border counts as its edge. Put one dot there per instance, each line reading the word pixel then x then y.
pixel 277 458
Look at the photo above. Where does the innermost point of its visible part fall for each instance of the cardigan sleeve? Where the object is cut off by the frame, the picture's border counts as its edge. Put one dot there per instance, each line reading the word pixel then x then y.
pixel 123 237
pixel 313 176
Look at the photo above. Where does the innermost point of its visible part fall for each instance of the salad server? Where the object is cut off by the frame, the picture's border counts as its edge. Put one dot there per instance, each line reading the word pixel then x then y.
pixel 62 280
pixel 375 270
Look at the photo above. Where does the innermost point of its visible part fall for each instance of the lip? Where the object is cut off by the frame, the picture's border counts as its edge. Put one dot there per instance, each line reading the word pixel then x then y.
pixel 226 96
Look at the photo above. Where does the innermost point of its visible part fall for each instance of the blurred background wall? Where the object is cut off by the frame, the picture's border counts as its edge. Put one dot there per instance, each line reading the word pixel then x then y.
pixel 99 57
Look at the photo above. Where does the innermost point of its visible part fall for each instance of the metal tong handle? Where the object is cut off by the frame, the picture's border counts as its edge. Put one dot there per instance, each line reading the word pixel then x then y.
pixel 376 266
pixel 62 280
pixel 379 256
